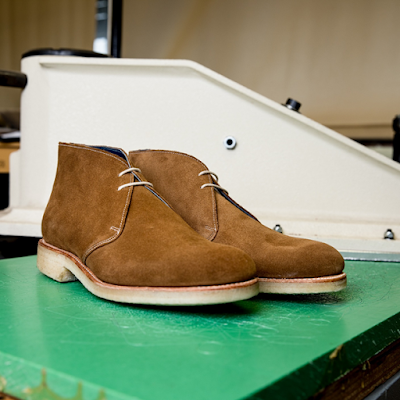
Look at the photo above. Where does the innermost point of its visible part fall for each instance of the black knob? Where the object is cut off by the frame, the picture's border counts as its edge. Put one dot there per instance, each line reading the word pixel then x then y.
pixel 396 138
pixel 292 104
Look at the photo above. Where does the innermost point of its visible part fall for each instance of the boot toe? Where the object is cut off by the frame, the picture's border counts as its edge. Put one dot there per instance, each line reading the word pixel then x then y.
pixel 195 265
pixel 225 265
pixel 300 259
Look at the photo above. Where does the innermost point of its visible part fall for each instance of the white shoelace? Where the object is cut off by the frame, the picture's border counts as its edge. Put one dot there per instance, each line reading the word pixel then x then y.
pixel 132 183
pixel 211 184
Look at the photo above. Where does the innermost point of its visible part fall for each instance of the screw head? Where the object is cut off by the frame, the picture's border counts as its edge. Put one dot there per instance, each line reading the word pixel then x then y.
pixel 389 235
pixel 292 104
pixel 230 142
pixel 278 228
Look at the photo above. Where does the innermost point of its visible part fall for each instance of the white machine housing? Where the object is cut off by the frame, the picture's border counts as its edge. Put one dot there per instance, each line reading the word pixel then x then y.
pixel 285 168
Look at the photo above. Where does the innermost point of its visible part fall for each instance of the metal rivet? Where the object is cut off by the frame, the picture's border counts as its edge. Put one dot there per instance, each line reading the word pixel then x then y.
pixel 230 142
pixel 278 228
pixel 389 235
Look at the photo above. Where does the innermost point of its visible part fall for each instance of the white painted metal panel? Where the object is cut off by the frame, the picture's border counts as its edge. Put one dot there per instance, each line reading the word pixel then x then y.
pixel 286 168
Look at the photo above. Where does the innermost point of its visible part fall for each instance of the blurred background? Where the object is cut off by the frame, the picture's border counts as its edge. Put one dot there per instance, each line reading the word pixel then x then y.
pixel 339 58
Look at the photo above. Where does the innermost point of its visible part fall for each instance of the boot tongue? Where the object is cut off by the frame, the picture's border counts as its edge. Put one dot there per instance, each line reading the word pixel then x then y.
pixel 113 150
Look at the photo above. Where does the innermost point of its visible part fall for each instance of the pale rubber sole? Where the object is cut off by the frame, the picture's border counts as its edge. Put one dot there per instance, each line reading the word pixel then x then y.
pixel 63 266
pixel 323 284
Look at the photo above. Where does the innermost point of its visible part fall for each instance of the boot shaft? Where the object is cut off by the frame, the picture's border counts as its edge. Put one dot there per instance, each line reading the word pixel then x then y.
pixel 86 210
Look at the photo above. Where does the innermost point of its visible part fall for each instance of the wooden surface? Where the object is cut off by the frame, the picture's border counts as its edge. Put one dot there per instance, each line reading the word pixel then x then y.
pixel 365 378
pixel 4 396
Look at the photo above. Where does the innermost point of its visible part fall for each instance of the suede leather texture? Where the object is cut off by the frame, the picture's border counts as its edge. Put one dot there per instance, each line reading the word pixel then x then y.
pixel 203 216
pixel 130 237
pixel 85 209
pixel 175 177
pixel 157 248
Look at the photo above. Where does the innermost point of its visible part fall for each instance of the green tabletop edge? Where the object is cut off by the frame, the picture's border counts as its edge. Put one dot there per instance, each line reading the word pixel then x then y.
pixel 332 365
pixel 40 384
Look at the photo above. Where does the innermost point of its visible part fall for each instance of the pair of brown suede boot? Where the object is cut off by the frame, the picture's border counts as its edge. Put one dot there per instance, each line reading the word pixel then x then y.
pixel 169 236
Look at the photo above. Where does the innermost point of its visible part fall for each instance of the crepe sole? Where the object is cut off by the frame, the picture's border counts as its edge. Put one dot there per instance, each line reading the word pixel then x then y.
pixel 323 284
pixel 63 266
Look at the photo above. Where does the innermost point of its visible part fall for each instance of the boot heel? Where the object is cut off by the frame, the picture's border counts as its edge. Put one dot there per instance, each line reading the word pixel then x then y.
pixel 52 264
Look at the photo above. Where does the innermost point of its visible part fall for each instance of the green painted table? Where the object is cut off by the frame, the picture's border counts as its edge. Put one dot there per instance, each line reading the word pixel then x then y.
pixel 59 341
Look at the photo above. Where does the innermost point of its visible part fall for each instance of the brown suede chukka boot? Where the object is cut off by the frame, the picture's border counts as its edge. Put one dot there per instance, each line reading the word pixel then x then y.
pixel 105 226
pixel 285 264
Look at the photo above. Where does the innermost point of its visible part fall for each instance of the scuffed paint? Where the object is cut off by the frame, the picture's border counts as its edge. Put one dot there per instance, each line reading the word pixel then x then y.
pixel 3 383
pixel 44 392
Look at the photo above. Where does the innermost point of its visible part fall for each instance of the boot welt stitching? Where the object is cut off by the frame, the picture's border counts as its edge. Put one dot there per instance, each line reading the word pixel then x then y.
pixel 328 278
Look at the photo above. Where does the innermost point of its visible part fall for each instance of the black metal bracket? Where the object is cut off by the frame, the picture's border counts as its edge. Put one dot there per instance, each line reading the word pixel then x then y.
pixel 116 28
pixel 13 79
pixel 396 138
